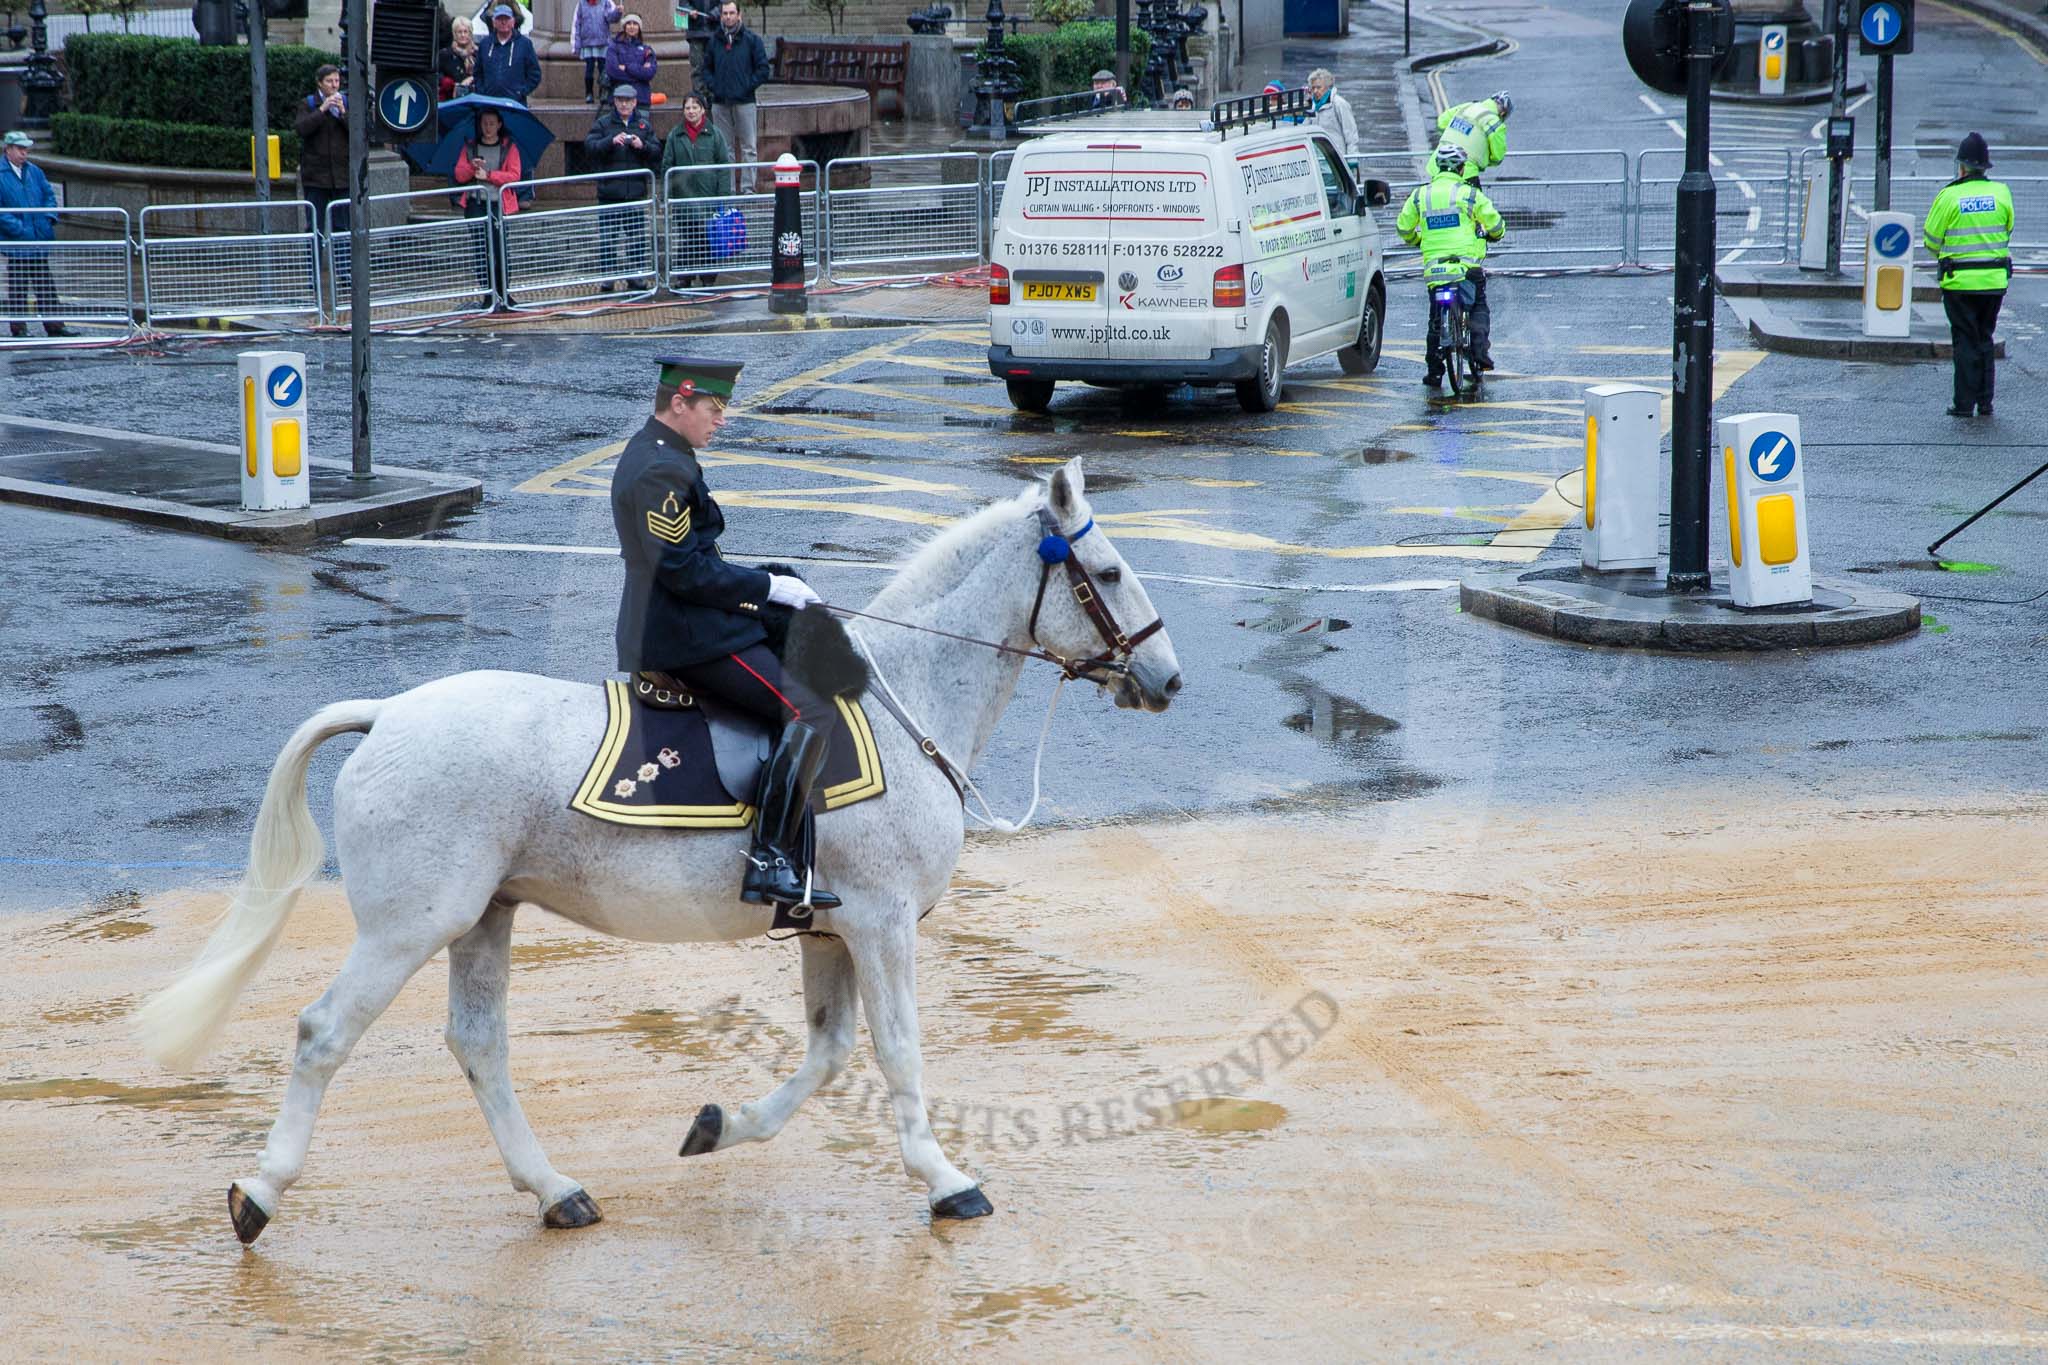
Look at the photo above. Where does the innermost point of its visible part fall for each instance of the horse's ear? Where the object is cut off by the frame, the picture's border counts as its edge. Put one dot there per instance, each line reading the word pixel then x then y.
pixel 1067 488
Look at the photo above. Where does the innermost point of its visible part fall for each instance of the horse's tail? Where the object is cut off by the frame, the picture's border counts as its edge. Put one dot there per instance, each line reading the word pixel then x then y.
pixel 179 1023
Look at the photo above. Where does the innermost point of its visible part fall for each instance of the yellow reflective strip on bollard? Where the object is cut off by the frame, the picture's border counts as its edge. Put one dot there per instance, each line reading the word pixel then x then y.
pixel 1890 287
pixel 1777 529
pixel 1734 506
pixel 1592 466
pixel 284 448
pixel 249 425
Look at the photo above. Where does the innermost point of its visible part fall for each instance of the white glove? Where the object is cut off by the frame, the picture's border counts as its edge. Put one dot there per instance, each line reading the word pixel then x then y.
pixel 790 592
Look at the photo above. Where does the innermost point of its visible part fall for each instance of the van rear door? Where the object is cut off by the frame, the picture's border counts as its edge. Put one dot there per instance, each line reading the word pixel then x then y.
pixel 1056 212
pixel 1165 245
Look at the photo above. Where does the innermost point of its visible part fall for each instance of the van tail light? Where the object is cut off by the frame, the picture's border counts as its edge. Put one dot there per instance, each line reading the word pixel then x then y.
pixel 999 284
pixel 1229 290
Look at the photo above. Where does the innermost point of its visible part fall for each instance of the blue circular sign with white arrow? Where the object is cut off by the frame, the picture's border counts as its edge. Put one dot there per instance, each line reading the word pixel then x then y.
pixel 1881 24
pixel 1892 240
pixel 405 104
pixel 287 386
pixel 1774 38
pixel 1772 455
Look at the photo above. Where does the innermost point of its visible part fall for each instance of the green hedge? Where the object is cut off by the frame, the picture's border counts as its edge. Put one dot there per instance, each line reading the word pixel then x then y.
pixel 1060 62
pixel 149 142
pixel 176 81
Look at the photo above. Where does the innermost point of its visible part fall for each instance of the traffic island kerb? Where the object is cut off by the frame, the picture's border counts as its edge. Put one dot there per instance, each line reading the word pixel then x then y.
pixel 1634 610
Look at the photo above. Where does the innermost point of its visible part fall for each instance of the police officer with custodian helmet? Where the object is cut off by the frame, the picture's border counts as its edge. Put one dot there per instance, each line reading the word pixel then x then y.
pixel 1969 231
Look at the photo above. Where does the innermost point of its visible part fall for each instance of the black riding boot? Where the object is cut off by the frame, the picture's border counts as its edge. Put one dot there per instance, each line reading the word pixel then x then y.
pixel 776 869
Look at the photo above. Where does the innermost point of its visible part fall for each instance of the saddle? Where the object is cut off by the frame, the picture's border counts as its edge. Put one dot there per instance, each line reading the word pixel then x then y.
pixel 672 759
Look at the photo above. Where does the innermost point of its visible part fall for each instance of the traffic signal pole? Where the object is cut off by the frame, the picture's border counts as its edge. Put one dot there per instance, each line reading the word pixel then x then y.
pixel 259 102
pixel 360 112
pixel 1692 316
pixel 1838 108
pixel 1884 131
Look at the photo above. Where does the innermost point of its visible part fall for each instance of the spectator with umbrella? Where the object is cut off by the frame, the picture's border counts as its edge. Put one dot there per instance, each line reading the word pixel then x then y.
pixel 464 134
pixel 491 161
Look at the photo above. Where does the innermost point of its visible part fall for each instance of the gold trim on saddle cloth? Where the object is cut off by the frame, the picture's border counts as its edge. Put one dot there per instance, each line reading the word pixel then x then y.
pixel 869 781
pixel 594 796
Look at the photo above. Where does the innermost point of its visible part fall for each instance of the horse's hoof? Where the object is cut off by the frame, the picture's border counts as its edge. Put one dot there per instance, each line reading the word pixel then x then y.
pixel 249 1218
pixel 968 1203
pixel 573 1210
pixel 704 1133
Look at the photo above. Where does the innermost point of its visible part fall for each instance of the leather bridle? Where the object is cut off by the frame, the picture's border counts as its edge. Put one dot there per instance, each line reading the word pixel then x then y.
pixel 1057 548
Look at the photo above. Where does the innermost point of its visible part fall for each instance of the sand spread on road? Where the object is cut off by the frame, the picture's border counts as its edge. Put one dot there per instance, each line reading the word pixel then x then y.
pixel 1428 1077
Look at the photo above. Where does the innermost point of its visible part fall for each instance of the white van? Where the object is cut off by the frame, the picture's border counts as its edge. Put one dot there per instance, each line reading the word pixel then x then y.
pixel 1149 249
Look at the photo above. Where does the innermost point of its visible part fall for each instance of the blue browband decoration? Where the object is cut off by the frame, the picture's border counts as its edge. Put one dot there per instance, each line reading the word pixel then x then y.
pixel 1055 548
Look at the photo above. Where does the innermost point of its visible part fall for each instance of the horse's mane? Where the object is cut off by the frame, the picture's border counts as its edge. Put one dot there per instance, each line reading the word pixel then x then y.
pixel 944 560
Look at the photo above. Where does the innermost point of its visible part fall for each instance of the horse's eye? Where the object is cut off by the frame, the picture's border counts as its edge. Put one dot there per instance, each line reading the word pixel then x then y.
pixel 1111 575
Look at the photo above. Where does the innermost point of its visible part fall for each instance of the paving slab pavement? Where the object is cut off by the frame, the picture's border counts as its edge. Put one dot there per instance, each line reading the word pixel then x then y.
pixel 1832 328
pixel 194 486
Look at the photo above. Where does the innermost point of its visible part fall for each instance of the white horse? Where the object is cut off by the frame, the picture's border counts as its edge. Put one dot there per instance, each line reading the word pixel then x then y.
pixel 455 810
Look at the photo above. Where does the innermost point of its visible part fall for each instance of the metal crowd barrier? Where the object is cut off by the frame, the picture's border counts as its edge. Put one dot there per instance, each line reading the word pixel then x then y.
pixel 582 253
pixel 1918 174
pixel 694 249
pixel 248 259
pixel 431 267
pixel 1564 208
pixel 1756 208
pixel 995 174
pixel 879 229
pixel 82 277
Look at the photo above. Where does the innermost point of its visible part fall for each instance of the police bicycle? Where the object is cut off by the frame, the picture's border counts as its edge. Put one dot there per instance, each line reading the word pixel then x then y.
pixel 1451 296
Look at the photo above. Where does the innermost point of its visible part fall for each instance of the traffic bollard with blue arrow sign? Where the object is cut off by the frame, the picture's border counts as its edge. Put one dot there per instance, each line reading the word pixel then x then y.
pixel 1765 477
pixel 273 391
pixel 1888 275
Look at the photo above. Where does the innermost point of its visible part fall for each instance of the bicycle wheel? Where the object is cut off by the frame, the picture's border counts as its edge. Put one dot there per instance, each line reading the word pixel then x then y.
pixel 1454 349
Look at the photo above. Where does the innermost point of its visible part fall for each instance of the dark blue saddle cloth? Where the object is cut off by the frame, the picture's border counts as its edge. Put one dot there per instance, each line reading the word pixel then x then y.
pixel 690 763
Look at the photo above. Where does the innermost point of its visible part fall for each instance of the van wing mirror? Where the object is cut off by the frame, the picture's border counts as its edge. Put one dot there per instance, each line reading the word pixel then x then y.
pixel 1377 193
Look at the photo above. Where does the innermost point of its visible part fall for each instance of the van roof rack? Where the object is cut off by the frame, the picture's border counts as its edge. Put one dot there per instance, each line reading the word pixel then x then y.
pixel 1292 106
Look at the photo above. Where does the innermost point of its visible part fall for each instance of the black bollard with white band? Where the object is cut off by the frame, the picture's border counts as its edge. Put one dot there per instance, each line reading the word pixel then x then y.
pixel 786 269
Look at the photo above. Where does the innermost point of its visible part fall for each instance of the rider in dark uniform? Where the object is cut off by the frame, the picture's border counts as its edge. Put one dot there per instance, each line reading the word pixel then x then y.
pixel 689 614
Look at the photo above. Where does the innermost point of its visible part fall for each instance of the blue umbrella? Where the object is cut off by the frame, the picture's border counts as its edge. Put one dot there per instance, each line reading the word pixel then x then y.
pixel 458 129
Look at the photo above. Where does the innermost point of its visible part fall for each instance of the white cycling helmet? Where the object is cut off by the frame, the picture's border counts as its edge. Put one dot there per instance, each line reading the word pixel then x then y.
pixel 1450 157
pixel 1503 103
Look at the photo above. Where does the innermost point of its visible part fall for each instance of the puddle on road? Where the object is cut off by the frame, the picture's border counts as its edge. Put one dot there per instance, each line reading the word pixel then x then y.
pixel 89 1090
pixel 1024 996
pixel 700 1036
pixel 1010 1307
pixel 1223 1114
pixel 1335 719
pixel 552 951
pixel 1294 625
pixel 1375 455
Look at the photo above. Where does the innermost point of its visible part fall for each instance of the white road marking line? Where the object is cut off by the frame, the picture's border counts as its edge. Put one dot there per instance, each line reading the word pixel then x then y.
pixel 609 552
pixel 1820 127
pixel 1651 104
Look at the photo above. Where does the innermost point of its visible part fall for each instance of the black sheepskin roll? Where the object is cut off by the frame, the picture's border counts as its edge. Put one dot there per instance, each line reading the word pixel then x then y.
pixel 814 646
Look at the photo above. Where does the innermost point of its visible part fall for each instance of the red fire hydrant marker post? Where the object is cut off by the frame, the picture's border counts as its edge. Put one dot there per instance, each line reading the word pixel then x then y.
pixel 786 271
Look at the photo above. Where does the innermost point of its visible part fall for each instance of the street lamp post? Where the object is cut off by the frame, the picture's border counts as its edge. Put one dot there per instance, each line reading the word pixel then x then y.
pixel 1692 317
pixel 41 82
pixel 999 81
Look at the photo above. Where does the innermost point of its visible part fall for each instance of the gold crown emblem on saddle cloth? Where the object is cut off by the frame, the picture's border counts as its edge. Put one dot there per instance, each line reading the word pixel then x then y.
pixel 667 524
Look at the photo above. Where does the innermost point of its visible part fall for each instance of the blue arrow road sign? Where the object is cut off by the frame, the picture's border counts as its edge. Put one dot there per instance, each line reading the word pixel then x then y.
pixel 1881 24
pixel 287 386
pixel 1891 240
pixel 1772 455
pixel 1774 38
pixel 404 104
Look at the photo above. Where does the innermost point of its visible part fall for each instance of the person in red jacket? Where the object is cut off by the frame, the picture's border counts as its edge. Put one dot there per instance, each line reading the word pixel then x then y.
pixel 493 160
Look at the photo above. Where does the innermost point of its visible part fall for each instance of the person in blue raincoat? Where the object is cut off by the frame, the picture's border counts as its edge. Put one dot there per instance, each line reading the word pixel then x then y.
pixel 24 186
